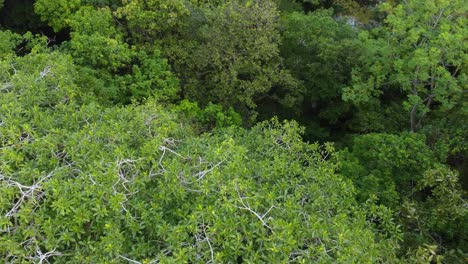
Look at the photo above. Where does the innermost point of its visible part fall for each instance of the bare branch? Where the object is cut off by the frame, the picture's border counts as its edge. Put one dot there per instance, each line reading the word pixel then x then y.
pixel 209 243
pixel 124 178
pixel 44 73
pixel 164 149
pixel 43 257
pixel 27 192
pixel 199 176
pixel 247 207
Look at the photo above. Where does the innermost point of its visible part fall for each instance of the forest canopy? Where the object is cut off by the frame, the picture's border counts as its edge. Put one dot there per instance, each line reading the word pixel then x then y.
pixel 234 131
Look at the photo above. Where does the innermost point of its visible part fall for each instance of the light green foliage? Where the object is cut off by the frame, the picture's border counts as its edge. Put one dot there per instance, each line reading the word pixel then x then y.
pixel 82 183
pixel 150 76
pixel 425 254
pixel 95 40
pixel 102 3
pixel 8 43
pixel 59 13
pixel 125 73
pixel 149 20
pixel 42 79
pixel 422 53
pixel 56 13
pixel 446 210
pixel 11 43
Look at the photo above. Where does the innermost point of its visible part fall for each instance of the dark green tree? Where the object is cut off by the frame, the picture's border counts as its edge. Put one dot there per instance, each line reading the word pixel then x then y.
pixel 321 52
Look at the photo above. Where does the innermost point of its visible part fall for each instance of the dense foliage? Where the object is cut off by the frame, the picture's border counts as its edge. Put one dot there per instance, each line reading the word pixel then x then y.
pixel 179 131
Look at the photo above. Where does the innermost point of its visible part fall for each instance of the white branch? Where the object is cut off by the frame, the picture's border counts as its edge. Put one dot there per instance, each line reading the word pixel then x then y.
pixel 247 207
pixel 199 176
pixel 27 192
pixel 209 243
pixel 41 257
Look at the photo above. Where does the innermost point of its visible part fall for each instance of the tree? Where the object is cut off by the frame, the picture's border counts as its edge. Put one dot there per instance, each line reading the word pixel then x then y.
pixel 235 61
pixel 321 52
pixel 387 166
pixel 402 173
pixel 420 54
pixel 56 12
pixel 225 53
pixel 8 42
pixel 437 216
pixel 151 20
pixel 123 73
pixel 96 41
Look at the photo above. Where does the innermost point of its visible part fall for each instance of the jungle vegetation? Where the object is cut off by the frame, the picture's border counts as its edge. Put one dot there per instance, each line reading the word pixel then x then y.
pixel 233 131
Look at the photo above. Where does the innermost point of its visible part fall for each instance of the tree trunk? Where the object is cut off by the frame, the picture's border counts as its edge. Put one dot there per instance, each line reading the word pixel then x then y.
pixel 413 117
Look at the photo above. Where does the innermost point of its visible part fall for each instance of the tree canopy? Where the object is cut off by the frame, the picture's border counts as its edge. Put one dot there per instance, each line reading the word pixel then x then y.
pixel 240 131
